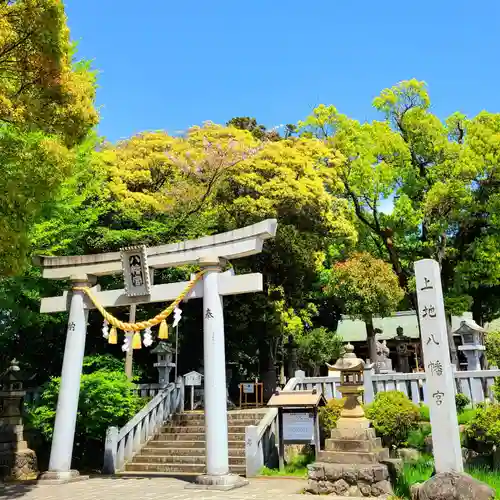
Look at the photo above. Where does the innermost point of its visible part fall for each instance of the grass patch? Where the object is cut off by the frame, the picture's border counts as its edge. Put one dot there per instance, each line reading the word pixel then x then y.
pixel 491 478
pixel 421 470
pixel 296 467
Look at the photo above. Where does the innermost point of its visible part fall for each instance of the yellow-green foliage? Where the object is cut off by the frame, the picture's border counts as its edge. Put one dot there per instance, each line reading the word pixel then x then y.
pixel 329 414
pixel 484 427
pixel 366 285
pixel 393 416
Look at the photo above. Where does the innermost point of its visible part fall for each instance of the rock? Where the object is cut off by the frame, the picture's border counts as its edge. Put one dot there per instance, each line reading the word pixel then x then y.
pixel 333 472
pixel 319 487
pixel 315 471
pixel 380 473
pixel 452 486
pixel 408 454
pixel 340 487
pixel 365 489
pixel 414 491
pixel 429 446
pixel 381 488
pixel 366 474
pixel 394 467
pixel 350 476
pixel 353 491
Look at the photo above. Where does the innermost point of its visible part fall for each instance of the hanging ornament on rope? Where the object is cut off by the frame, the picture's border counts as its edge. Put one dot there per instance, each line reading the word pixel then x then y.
pixel 148 338
pixel 105 329
pixel 126 344
pixel 136 341
pixel 163 331
pixel 113 336
pixel 177 316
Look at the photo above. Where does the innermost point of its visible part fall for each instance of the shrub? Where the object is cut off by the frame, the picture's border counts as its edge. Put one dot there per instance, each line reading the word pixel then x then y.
pixel 416 437
pixel 393 416
pixel 461 402
pixel 467 416
pixel 425 413
pixel 329 414
pixel 106 399
pixel 484 428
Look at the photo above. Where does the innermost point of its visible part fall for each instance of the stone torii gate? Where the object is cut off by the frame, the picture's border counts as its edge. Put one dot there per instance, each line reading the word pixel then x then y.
pixel 210 253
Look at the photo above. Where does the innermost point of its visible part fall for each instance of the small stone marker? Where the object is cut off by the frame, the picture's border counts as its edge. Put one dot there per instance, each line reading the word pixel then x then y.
pixel 440 382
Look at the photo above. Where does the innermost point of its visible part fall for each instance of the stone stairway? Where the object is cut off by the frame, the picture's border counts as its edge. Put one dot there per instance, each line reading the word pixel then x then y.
pixel 179 448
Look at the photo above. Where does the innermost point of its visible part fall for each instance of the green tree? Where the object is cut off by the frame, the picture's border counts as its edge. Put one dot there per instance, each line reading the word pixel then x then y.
pixel 366 287
pixel 46 107
pixel 318 347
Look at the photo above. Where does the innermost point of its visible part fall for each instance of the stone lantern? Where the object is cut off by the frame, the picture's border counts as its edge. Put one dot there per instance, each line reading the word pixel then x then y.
pixel 352 455
pixel 164 362
pixel 351 387
pixel 472 343
pixel 17 461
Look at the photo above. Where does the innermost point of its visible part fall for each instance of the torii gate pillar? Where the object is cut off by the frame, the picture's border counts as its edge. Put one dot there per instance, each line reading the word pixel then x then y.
pixel 216 429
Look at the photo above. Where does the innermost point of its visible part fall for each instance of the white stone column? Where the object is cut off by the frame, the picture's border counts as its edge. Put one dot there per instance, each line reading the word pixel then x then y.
pixel 216 427
pixel 67 403
pixel 439 389
pixel 215 372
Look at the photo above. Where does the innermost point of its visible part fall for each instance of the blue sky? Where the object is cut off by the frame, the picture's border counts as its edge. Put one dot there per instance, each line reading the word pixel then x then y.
pixel 169 65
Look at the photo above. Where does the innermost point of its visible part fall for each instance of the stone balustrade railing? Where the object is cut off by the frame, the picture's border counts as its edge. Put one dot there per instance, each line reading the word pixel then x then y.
pixel 261 443
pixel 122 444
pixel 476 385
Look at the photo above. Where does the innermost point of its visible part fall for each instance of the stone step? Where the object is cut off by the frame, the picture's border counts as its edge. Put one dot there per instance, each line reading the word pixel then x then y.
pixel 176 444
pixel 140 467
pixel 170 436
pixel 194 452
pixel 353 457
pixel 244 415
pixel 353 444
pixel 233 429
pixel 201 423
pixel 181 459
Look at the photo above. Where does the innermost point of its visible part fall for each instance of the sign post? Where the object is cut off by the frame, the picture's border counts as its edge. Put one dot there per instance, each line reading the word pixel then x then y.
pixel 192 379
pixel 297 419
pixel 440 382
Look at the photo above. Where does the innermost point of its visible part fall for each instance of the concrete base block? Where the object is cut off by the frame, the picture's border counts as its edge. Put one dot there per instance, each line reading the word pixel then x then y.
pixel 219 483
pixel 52 477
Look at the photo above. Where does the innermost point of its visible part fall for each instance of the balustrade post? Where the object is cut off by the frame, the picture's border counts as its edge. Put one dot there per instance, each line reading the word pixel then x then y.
pixel 368 393
pixel 253 452
pixel 110 451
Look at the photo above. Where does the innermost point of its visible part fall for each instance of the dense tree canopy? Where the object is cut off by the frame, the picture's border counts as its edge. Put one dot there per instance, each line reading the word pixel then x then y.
pixel 336 250
pixel 46 111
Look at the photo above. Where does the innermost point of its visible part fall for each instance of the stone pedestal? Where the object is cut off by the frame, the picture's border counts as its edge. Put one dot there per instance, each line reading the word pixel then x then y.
pixel 350 465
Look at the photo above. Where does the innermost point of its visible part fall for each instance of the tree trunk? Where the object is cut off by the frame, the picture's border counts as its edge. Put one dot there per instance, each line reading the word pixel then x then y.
pixel 372 343
pixel 267 369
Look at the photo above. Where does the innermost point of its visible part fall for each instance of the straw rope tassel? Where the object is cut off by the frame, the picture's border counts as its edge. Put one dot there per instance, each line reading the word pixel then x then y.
pixel 113 336
pixel 136 341
pixel 163 331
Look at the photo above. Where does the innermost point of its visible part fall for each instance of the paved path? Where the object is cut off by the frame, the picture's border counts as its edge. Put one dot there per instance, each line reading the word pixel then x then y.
pixel 159 488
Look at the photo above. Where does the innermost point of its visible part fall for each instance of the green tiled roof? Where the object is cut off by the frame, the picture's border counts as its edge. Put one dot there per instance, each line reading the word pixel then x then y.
pixel 355 330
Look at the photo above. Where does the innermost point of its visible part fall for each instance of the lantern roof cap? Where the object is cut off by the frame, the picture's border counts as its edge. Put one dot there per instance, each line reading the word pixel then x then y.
pixel 162 348
pixel 349 361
